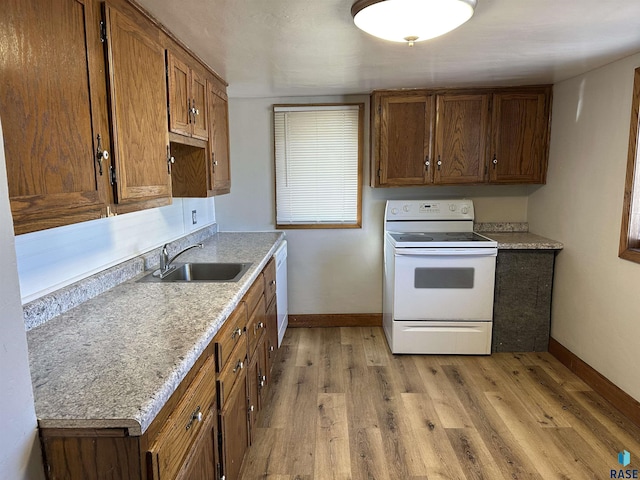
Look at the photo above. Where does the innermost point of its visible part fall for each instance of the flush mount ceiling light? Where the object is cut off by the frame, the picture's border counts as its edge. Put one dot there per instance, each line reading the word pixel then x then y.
pixel 411 20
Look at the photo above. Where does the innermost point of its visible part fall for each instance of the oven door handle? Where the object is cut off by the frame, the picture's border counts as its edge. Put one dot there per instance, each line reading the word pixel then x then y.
pixel 449 252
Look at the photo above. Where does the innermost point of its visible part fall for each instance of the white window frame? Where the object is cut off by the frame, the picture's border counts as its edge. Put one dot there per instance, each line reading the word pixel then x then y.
pixel 279 157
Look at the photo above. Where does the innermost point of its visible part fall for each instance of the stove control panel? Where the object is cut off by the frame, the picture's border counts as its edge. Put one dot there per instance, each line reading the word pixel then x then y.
pixel 454 209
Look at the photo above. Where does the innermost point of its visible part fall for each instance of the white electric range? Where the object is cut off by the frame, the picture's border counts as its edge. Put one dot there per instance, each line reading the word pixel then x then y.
pixel 438 278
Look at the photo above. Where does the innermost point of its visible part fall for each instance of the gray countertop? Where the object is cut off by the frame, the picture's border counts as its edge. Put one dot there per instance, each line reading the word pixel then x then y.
pixel 522 241
pixel 114 361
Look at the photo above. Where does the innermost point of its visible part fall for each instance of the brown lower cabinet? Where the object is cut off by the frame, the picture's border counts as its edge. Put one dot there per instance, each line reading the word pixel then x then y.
pixel 201 463
pixel 234 433
pixel 204 429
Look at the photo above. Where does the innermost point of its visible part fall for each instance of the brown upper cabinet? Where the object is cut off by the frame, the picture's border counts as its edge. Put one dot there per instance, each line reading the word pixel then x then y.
pixel 220 173
pixel 520 136
pixel 53 113
pixel 405 124
pixel 187 97
pixel 84 99
pixel 138 111
pixel 202 169
pixel 464 136
pixel 462 122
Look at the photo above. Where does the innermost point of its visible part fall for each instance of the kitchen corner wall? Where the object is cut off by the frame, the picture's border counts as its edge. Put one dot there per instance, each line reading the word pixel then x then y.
pixel 596 312
pixel 339 270
pixel 20 457
pixel 51 259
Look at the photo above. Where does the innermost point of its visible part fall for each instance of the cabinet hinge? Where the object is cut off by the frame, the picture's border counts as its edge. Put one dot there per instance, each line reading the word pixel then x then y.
pixel 379 173
pixel 103 31
pixel 112 175
pixel 379 109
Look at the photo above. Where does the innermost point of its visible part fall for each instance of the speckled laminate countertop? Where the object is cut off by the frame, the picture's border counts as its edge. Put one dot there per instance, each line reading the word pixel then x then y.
pixel 113 361
pixel 522 241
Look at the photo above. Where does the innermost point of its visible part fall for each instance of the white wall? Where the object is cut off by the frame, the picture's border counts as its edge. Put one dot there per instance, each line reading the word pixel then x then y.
pixel 51 259
pixel 330 271
pixel 596 312
pixel 19 448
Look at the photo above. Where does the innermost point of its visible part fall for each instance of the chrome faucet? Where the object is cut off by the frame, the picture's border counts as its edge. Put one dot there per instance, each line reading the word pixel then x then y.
pixel 165 261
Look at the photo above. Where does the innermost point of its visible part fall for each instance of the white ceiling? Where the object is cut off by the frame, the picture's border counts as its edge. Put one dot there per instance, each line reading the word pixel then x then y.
pixel 266 48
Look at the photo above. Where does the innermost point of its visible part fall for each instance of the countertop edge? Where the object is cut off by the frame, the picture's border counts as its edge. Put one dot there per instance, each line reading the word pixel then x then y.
pixel 523 241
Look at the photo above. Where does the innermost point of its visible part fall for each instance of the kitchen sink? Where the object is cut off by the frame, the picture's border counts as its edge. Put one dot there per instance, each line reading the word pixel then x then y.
pixel 201 272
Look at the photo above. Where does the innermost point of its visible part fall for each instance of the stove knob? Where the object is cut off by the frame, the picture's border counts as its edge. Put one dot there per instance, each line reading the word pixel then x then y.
pixel 464 209
pixel 452 207
pixel 394 211
pixel 405 208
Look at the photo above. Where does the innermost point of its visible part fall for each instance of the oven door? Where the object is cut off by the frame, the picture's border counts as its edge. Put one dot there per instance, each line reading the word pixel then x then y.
pixel 444 283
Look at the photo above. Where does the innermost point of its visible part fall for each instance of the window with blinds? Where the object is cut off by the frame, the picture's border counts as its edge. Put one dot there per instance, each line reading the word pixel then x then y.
pixel 318 165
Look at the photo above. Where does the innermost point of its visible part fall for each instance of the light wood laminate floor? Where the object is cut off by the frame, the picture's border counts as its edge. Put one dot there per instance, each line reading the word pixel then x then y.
pixel 341 406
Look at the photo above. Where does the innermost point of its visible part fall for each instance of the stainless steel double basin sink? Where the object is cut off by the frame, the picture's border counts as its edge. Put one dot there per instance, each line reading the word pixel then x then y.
pixel 200 272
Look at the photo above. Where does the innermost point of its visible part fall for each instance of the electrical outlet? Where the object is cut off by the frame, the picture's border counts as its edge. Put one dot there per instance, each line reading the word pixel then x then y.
pixel 194 217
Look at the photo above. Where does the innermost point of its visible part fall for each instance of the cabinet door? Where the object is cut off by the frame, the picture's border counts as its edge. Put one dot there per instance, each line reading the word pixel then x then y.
pixel 406 128
pixel 253 384
pixel 462 123
pixel 219 141
pixel 199 120
pixel 138 110
pixel 179 83
pixel 49 82
pixel 233 428
pixel 272 335
pixel 201 462
pixel 520 146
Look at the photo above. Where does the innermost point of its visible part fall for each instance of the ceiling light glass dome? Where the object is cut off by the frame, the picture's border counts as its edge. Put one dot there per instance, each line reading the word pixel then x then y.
pixel 411 20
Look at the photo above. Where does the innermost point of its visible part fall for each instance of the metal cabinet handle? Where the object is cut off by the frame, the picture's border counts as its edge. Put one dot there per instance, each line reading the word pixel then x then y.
pixel 100 153
pixel 239 366
pixel 272 282
pixel 494 161
pixel 170 160
pixel 439 162
pixel 196 416
pixel 236 333
pixel 271 348
pixel 193 111
pixel 251 409
pixel 427 163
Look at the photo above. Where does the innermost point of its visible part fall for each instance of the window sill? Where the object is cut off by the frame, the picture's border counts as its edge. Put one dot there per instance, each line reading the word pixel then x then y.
pixel 631 254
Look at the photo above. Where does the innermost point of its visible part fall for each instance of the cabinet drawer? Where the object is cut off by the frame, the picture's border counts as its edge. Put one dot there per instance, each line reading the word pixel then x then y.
pixel 183 425
pixel 253 295
pixel 231 334
pixel 256 326
pixel 231 372
pixel 270 281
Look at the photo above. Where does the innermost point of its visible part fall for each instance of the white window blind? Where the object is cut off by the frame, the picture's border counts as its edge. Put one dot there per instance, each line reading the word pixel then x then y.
pixel 317 165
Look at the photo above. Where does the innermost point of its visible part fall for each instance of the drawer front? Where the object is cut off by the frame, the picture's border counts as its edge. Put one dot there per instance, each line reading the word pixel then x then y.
pixel 253 295
pixel 234 368
pixel 270 281
pixel 230 335
pixel 184 424
pixel 256 326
